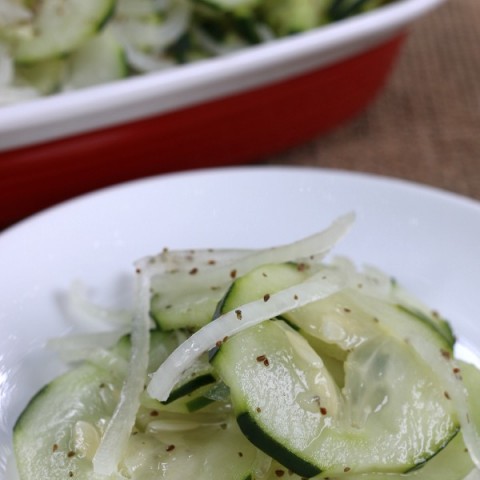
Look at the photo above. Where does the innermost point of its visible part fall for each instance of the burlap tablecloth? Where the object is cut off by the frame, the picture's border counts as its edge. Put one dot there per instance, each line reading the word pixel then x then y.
pixel 425 125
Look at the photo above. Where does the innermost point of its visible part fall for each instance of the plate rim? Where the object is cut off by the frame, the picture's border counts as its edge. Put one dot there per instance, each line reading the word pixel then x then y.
pixel 431 190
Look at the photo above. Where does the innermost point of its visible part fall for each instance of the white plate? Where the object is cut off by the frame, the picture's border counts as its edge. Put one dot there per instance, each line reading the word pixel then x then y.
pixel 427 238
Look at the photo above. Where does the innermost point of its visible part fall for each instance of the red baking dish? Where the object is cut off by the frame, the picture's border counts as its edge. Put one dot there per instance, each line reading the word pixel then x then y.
pixel 227 110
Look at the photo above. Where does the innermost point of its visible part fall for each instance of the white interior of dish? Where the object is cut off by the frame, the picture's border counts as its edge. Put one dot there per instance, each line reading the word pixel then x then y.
pixel 427 239
pixel 143 96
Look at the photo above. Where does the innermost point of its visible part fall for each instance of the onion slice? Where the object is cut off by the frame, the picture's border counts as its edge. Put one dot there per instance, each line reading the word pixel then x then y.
pixel 82 308
pixel 176 283
pixel 117 433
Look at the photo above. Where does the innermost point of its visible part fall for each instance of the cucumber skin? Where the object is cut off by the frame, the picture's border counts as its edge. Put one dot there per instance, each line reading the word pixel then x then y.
pixel 108 16
pixel 426 460
pixel 190 387
pixel 273 448
pixel 34 436
pixel 37 396
pixel 443 329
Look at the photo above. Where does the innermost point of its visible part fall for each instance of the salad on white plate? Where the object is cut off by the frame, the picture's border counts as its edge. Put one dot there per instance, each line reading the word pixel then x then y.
pixel 256 364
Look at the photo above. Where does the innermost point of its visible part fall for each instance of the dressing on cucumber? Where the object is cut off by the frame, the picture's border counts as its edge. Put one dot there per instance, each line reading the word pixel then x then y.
pixel 304 369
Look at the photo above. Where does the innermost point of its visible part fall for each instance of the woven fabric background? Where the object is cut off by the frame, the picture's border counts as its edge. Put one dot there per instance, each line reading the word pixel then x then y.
pixel 425 125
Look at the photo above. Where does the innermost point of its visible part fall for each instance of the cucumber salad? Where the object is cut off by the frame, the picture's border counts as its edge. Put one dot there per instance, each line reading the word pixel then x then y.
pixel 256 365
pixel 51 46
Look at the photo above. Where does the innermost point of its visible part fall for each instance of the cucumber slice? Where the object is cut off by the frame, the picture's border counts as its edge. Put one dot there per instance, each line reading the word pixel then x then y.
pixel 272 278
pixel 288 405
pixel 340 9
pixel 184 296
pixel 216 452
pixel 59 430
pixel 438 324
pixel 192 310
pixel 100 60
pixel 46 76
pixel 292 16
pixel 231 5
pixel 57 435
pixel 261 281
pixel 199 375
pixel 341 322
pixel 59 27
pixel 189 392
pixel 413 306
pixel 153 32
pixel 452 462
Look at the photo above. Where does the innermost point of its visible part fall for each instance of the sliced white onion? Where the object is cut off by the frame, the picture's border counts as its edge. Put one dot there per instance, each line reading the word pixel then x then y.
pixel 171 421
pixel 216 47
pixel 313 247
pixel 74 348
pixel 13 12
pixel 174 261
pixel 115 439
pixel 10 95
pixel 162 5
pixel 145 62
pixel 83 309
pixel 134 8
pixel 142 34
pixel 138 8
pixel 444 368
pixel 371 281
pixel 265 33
pixel 6 67
pixel 316 287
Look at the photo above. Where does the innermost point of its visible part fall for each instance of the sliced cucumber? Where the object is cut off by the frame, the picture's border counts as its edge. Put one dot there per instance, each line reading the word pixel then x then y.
pixel 358 337
pixel 189 395
pixel 288 405
pixel 452 462
pixel 185 296
pixel 340 9
pixel 261 281
pixel 293 16
pixel 413 306
pixel 161 345
pixel 339 323
pixel 46 76
pixel 196 382
pixel 437 324
pixel 215 452
pixel 59 27
pixel 58 433
pixel 60 428
pixel 231 5
pixel 191 310
pixel 99 60
pixel 148 29
pixel 272 278
pixel 471 379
